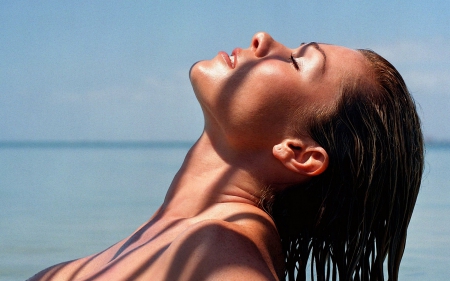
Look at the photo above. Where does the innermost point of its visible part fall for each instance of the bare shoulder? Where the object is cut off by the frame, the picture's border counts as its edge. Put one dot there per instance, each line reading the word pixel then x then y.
pixel 61 270
pixel 231 243
pixel 219 250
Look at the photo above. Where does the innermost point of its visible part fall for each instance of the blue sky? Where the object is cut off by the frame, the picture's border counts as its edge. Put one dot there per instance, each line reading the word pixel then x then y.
pixel 118 70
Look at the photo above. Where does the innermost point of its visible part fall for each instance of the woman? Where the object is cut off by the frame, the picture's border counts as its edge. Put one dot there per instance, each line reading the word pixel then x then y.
pixel 308 154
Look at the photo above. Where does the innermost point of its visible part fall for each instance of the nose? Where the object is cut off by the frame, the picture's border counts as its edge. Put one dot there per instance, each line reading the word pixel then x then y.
pixel 262 43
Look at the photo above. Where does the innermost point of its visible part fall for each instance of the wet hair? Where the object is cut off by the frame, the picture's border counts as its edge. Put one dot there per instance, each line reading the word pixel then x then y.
pixel 345 222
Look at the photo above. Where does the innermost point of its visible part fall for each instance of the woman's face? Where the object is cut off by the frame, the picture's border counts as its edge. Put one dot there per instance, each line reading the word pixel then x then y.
pixel 254 94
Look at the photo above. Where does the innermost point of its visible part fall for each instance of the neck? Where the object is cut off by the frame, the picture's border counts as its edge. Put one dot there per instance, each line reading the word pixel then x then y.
pixel 209 177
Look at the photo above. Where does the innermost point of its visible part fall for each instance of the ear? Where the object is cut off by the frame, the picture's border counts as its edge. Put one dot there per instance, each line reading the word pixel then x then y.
pixel 305 157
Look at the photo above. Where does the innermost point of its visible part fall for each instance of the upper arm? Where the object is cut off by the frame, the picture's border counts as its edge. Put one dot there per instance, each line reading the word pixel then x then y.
pixel 217 251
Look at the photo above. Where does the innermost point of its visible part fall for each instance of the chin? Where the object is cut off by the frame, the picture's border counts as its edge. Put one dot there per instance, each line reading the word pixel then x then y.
pixel 192 67
pixel 199 70
pixel 199 76
pixel 194 76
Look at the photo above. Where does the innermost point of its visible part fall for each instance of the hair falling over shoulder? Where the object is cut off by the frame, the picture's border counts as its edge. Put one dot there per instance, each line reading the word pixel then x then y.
pixel 347 221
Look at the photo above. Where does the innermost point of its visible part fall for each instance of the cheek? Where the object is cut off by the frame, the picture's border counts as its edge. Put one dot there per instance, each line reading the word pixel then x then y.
pixel 250 101
pixel 278 93
pixel 263 106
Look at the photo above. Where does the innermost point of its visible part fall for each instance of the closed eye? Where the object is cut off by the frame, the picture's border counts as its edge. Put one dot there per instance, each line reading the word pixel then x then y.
pixel 294 62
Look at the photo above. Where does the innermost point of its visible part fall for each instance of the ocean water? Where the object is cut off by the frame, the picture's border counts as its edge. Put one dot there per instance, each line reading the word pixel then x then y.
pixel 60 202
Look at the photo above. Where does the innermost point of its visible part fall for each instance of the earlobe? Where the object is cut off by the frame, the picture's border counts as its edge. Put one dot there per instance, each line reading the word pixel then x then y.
pixel 303 157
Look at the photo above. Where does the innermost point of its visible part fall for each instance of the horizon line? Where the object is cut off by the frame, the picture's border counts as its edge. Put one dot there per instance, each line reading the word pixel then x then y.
pixel 133 143
pixel 95 144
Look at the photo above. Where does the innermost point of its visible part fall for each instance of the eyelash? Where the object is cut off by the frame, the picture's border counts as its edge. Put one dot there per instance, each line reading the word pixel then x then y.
pixel 294 62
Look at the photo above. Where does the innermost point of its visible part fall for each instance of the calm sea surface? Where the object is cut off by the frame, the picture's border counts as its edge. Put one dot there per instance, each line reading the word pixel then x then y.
pixel 59 203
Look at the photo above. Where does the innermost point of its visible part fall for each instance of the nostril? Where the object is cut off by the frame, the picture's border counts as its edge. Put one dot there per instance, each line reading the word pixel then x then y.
pixel 261 44
pixel 255 43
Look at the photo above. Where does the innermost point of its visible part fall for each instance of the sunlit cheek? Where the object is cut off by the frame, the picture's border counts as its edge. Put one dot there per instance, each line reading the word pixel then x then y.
pixel 313 69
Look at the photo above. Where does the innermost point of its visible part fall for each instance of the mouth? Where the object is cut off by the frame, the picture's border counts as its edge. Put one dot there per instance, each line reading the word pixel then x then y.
pixel 233 57
pixel 228 59
pixel 232 61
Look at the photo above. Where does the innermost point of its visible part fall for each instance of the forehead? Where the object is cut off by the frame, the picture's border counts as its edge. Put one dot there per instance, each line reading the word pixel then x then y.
pixel 344 61
pixel 341 64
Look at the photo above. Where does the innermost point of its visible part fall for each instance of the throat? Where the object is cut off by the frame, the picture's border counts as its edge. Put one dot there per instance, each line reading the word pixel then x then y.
pixel 206 179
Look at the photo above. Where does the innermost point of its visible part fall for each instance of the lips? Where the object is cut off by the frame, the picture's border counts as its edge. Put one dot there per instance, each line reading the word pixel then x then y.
pixel 231 60
pixel 234 56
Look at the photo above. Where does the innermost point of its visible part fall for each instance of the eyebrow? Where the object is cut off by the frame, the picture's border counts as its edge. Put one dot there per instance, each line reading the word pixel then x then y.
pixel 316 46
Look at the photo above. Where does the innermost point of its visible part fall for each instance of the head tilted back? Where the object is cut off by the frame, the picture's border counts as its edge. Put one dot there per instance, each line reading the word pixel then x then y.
pixel 356 213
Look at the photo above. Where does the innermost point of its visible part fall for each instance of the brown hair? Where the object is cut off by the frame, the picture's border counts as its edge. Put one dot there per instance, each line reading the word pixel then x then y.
pixel 347 220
